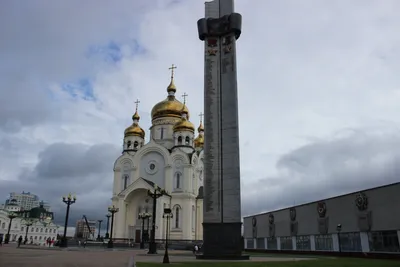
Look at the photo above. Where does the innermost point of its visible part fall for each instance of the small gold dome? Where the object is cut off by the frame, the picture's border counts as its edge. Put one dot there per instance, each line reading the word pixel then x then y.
pixel 136 116
pixel 184 125
pixel 199 141
pixel 201 127
pixel 171 86
pixel 169 107
pixel 134 130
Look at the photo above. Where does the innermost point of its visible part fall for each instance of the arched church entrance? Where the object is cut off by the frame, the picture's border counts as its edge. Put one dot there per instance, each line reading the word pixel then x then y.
pixel 138 202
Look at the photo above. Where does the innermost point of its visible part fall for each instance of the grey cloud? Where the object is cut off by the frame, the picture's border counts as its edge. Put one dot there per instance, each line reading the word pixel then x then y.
pixel 46 42
pixel 62 168
pixel 362 159
pixel 60 160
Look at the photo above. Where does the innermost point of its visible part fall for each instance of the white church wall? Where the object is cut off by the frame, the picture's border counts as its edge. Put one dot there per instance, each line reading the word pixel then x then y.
pixel 152 168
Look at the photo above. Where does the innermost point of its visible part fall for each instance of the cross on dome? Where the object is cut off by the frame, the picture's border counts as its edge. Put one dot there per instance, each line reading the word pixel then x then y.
pixel 172 70
pixel 184 97
pixel 201 116
pixel 137 103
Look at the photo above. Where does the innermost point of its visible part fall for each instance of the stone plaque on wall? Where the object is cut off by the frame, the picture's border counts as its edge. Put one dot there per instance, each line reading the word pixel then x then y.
pixel 365 221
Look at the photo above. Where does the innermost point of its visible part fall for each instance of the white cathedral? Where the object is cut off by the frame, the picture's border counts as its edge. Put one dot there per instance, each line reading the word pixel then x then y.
pixel 172 160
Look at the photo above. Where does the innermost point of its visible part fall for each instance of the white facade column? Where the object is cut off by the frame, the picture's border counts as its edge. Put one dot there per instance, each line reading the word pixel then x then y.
pixel 255 243
pixel 312 242
pixel 119 219
pixel 294 244
pixel 335 241
pixel 159 219
pixel 245 243
pixel 187 220
pixel 278 243
pixel 266 243
pixel 364 242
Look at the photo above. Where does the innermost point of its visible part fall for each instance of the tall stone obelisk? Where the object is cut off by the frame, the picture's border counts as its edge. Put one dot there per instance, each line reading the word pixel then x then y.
pixel 220 29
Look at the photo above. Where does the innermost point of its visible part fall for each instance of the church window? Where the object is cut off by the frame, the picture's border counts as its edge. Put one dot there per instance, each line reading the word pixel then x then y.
pixel 152 166
pixel 129 144
pixel 126 178
pixel 180 140
pixel 193 218
pixel 187 140
pixel 135 144
pixel 178 181
pixel 177 211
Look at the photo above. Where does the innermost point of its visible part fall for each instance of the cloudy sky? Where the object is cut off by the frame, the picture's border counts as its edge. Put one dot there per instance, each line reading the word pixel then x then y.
pixel 319 94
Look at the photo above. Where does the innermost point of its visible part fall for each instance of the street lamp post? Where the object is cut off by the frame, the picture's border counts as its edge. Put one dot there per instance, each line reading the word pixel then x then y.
pixel 143 216
pixel 168 215
pixel 108 225
pixel 158 192
pixel 112 210
pixel 69 200
pixel 339 228
pixel 99 221
pixel 11 216
pixel 28 223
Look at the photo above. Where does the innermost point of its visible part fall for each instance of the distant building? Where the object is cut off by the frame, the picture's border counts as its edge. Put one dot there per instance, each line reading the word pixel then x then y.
pixel 367 221
pixel 37 233
pixel 26 201
pixel 82 231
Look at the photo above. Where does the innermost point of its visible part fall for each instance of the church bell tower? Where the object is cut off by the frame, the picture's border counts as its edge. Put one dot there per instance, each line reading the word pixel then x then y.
pixel 134 134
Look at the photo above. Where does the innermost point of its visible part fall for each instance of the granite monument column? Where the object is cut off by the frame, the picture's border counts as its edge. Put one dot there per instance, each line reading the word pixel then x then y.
pixel 220 29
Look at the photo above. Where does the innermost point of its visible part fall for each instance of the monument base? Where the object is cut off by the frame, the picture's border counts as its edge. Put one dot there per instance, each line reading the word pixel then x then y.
pixel 222 241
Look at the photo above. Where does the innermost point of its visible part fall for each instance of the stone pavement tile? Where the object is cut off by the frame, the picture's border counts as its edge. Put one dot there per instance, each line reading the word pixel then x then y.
pixel 13 257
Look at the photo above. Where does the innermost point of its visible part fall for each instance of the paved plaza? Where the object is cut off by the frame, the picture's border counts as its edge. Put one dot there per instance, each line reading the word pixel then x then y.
pixel 11 256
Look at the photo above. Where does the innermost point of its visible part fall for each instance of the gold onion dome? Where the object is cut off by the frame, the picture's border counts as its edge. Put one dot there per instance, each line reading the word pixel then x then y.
pixel 170 107
pixel 135 129
pixel 201 127
pixel 199 140
pixel 184 125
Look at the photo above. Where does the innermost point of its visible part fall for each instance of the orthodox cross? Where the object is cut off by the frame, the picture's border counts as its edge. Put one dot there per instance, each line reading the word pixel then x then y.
pixel 137 103
pixel 162 132
pixel 184 98
pixel 172 70
pixel 201 116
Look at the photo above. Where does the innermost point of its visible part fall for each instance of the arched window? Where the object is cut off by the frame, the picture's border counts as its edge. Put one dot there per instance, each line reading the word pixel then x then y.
pixel 3 225
pixel 187 140
pixel 193 218
pixel 135 144
pixel 126 179
pixel 178 181
pixel 177 211
pixel 129 145
pixel 180 140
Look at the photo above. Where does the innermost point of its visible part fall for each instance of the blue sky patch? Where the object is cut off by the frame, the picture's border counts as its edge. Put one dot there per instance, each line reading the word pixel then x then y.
pixel 114 52
pixel 82 89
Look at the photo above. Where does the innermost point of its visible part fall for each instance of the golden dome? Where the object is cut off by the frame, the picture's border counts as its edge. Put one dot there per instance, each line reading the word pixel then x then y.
pixel 134 130
pixel 184 125
pixel 199 141
pixel 169 107
pixel 136 116
pixel 201 127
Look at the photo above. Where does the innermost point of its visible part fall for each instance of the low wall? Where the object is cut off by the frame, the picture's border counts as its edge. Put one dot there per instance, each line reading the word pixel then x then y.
pixel 371 255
